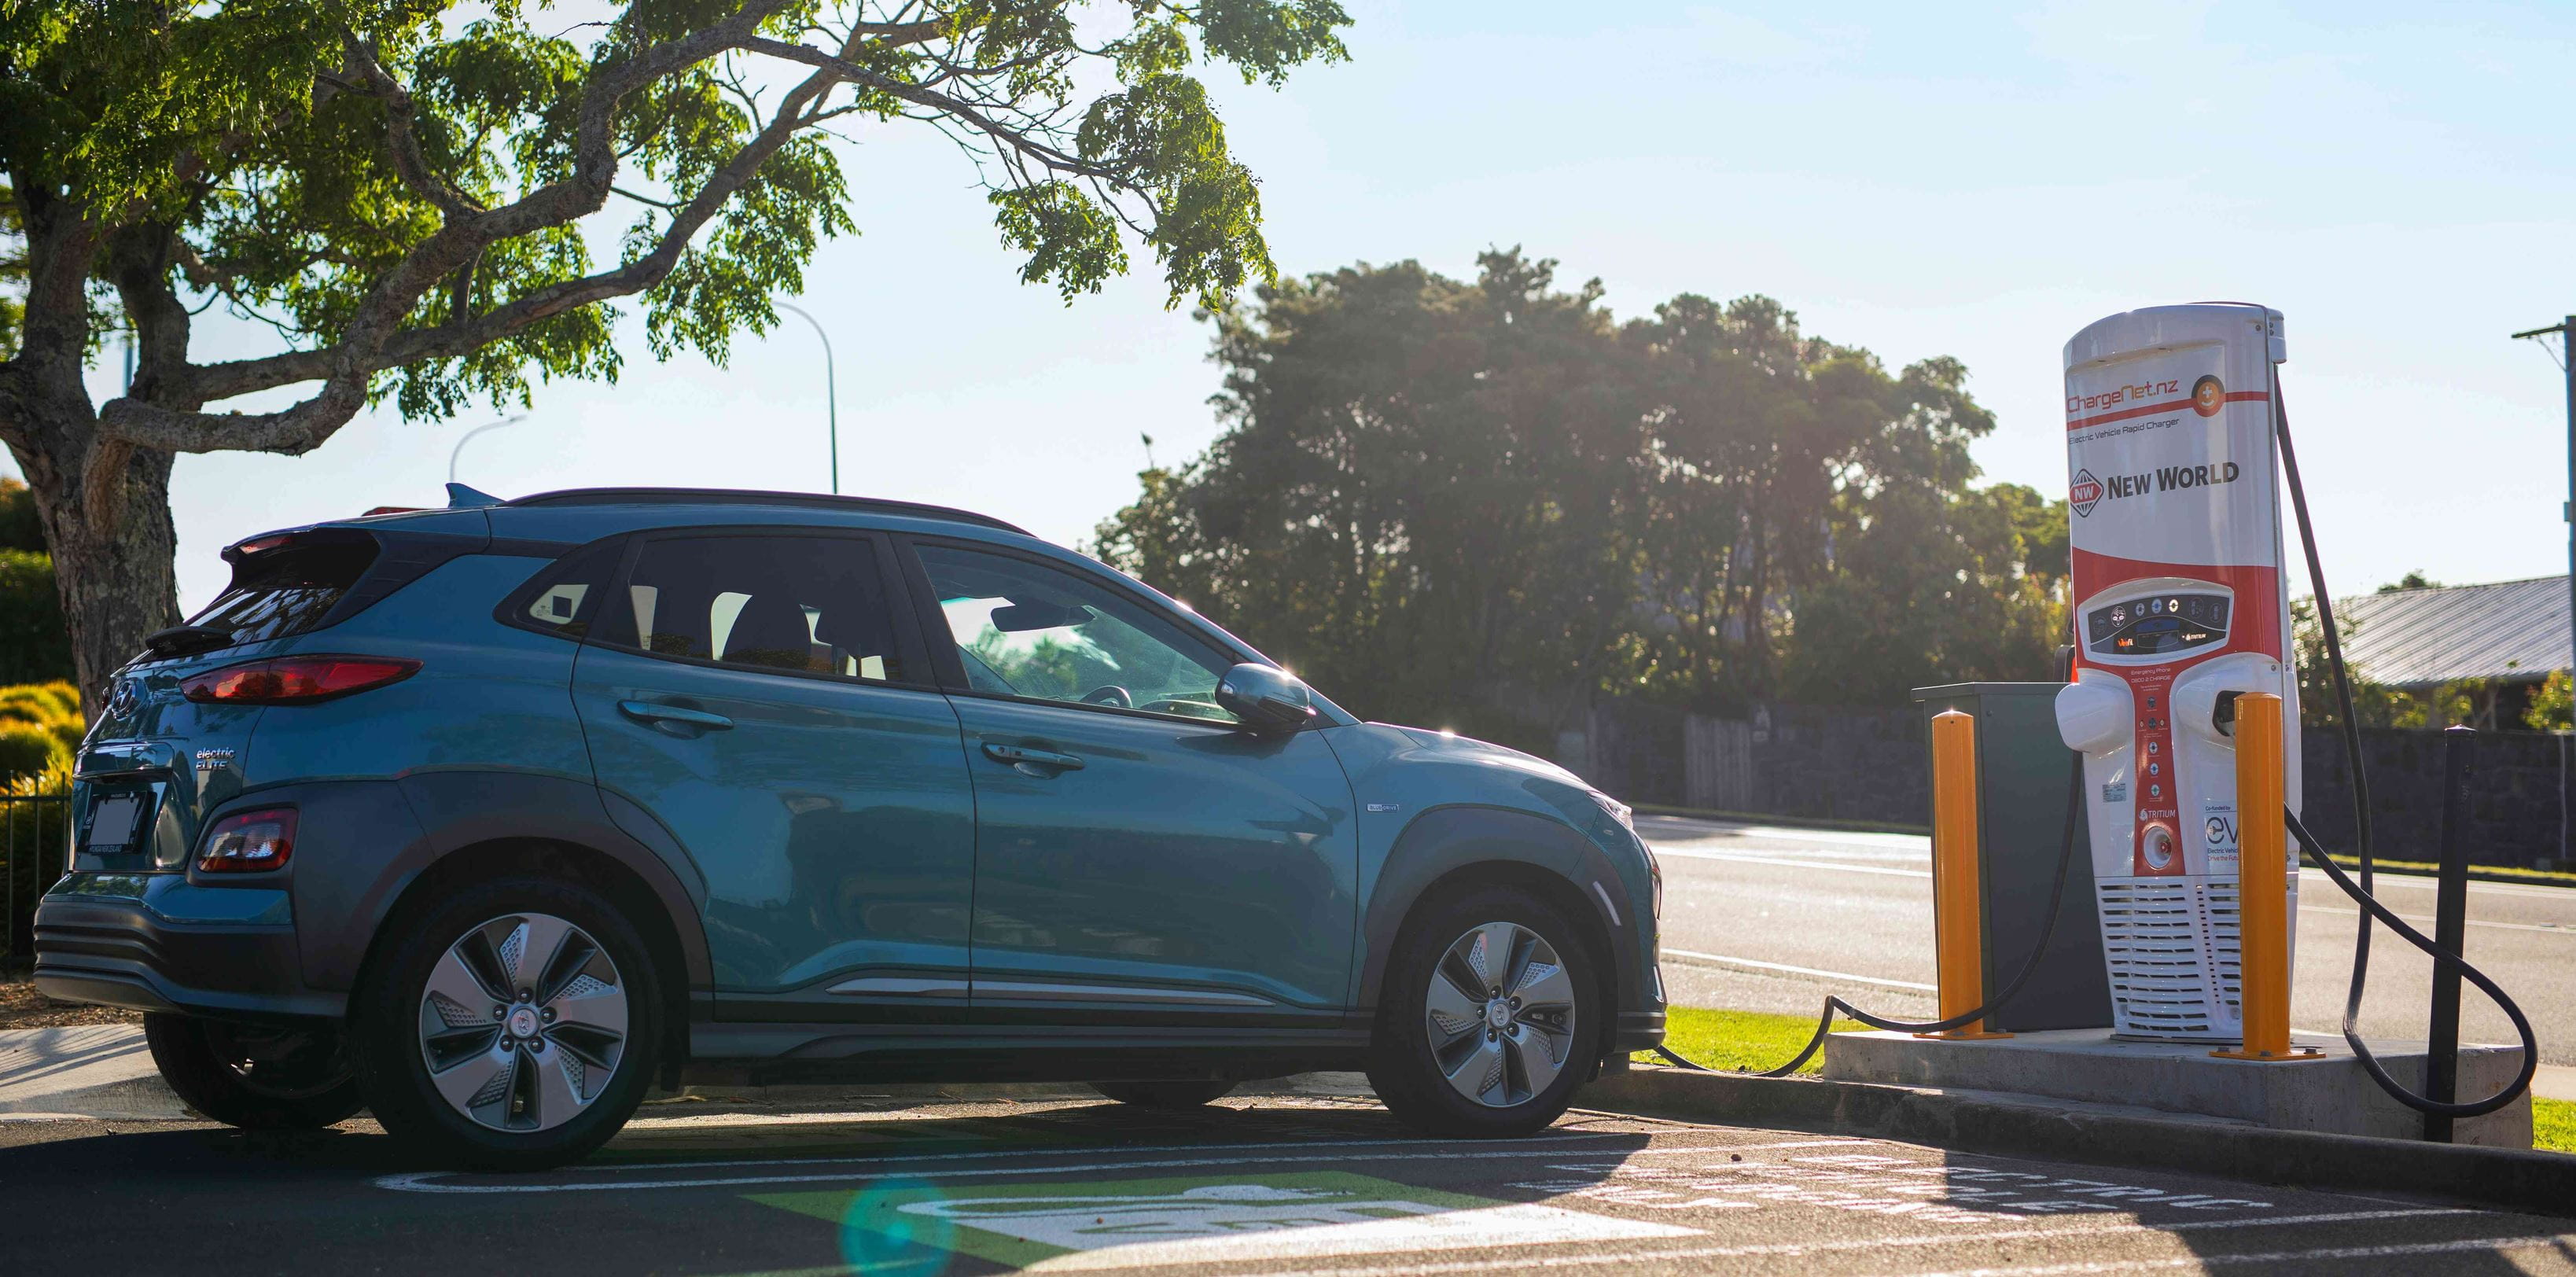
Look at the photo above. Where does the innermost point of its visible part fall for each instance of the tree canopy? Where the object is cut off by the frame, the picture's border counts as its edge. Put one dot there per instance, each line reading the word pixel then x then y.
pixel 433 204
pixel 1487 503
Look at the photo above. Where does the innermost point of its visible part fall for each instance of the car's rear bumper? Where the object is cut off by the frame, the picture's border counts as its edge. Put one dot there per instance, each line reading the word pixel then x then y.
pixel 119 950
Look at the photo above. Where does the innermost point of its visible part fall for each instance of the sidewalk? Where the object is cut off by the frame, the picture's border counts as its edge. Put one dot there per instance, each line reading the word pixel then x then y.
pixel 105 1071
pixel 91 1071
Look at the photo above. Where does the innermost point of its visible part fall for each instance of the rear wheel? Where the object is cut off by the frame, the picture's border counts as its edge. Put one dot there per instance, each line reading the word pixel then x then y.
pixel 1490 1017
pixel 258 1077
pixel 1165 1093
pixel 512 1026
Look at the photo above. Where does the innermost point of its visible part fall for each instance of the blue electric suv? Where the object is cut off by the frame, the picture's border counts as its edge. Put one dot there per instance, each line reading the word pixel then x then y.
pixel 489 818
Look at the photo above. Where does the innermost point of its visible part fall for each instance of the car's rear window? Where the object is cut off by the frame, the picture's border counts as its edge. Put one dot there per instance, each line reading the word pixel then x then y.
pixel 288 590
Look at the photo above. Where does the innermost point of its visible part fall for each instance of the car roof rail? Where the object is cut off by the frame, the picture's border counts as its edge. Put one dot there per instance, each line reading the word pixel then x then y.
pixel 745 496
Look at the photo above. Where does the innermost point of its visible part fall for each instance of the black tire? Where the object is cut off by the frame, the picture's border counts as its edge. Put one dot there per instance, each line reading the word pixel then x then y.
pixel 389 1009
pixel 1166 1093
pixel 257 1077
pixel 1403 1067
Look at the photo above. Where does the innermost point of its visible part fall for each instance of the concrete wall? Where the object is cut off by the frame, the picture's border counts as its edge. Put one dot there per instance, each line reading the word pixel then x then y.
pixel 1869 765
pixel 2515 808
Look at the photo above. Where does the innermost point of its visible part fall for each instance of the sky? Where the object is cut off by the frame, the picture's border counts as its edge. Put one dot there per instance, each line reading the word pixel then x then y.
pixel 1970 180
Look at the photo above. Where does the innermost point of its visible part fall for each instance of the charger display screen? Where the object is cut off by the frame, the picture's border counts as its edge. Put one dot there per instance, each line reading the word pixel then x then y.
pixel 2156 624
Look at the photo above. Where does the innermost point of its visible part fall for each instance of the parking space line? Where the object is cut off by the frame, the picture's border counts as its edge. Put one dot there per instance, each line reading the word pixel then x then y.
pixel 424 1181
pixel 1795 1249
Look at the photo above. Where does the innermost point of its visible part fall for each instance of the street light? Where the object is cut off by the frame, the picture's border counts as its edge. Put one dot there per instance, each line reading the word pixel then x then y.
pixel 469 438
pixel 831 391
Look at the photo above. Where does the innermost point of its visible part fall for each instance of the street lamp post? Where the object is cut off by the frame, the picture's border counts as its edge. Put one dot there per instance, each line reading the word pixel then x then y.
pixel 486 427
pixel 2567 364
pixel 831 391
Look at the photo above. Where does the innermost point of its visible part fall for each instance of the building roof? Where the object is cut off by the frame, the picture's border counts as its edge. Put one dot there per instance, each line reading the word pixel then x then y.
pixel 2512 630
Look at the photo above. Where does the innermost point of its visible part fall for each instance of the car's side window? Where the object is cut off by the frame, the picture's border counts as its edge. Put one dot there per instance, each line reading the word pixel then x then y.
pixel 801 604
pixel 1042 633
pixel 564 599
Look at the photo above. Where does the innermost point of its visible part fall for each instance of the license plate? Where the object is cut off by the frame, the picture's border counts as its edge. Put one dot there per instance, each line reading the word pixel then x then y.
pixel 111 822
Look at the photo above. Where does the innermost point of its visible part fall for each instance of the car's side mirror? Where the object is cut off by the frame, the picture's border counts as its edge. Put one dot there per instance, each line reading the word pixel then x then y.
pixel 1265 700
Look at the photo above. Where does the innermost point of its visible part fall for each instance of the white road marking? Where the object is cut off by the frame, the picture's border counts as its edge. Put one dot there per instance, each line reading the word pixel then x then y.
pixel 1597 1260
pixel 1742 858
pixel 1758 965
pixel 2392 1251
pixel 2427 924
pixel 421 1181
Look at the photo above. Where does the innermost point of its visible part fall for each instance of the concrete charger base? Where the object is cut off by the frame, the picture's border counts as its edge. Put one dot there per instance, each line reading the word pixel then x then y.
pixel 2332 1094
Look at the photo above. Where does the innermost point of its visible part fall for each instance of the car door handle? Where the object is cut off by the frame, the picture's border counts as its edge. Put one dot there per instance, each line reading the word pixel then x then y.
pixel 1031 760
pixel 673 715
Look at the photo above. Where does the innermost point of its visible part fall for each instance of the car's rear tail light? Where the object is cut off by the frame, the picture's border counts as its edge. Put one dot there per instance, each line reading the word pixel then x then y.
pixel 292 680
pixel 251 842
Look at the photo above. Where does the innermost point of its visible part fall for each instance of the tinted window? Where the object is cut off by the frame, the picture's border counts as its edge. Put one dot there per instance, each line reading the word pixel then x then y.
pixel 809 605
pixel 1024 629
pixel 564 599
pixel 288 590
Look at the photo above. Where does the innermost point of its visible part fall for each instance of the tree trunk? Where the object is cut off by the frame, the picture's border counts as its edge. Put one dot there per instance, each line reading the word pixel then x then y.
pixel 108 526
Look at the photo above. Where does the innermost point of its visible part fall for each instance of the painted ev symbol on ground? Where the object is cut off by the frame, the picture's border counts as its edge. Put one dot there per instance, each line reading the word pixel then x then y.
pixel 1151 1223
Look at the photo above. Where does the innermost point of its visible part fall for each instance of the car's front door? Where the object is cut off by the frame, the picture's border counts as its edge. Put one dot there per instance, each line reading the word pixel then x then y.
pixel 766 699
pixel 1138 858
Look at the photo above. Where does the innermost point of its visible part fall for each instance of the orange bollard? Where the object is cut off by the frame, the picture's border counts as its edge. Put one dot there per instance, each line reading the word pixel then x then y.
pixel 1958 911
pixel 2262 885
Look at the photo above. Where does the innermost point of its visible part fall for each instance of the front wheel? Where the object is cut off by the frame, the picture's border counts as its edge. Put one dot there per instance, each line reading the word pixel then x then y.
pixel 1490 1017
pixel 257 1077
pixel 513 1025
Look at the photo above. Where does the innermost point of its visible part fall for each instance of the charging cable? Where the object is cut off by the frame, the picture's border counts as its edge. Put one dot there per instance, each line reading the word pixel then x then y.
pixel 2056 896
pixel 2360 892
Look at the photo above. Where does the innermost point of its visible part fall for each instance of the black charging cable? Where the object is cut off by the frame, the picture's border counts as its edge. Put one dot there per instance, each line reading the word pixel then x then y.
pixel 2361 892
pixel 2056 896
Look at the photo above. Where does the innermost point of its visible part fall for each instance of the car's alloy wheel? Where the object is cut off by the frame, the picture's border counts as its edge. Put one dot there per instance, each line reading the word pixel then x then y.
pixel 509 1024
pixel 1499 1014
pixel 1491 1014
pixel 523 1022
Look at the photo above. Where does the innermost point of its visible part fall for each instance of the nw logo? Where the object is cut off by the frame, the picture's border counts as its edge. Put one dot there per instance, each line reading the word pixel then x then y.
pixel 2086 493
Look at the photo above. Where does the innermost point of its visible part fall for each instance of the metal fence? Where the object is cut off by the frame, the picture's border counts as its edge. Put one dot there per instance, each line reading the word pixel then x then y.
pixel 33 839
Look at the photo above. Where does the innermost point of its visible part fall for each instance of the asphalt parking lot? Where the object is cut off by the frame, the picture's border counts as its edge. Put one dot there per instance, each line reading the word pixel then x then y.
pixel 1271 1183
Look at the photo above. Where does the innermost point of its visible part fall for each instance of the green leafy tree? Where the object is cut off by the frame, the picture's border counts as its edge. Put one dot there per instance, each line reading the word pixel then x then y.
pixel 1420 499
pixel 1484 504
pixel 2550 705
pixel 412 198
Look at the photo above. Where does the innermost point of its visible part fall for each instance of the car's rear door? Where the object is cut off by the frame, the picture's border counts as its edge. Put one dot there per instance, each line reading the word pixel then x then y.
pixel 1138 859
pixel 762 696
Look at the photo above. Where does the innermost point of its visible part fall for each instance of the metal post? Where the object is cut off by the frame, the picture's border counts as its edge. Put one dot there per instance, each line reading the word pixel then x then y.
pixel 2262 885
pixel 2450 934
pixel 1958 922
pixel 831 392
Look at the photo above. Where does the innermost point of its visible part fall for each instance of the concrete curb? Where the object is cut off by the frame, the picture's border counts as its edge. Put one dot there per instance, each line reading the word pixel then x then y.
pixel 1991 1122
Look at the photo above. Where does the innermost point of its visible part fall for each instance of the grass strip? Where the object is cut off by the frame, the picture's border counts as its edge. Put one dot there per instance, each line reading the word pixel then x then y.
pixel 1739 1041
pixel 2553 1125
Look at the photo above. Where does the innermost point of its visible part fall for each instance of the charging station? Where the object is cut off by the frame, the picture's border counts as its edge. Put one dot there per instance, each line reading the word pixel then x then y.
pixel 2180 605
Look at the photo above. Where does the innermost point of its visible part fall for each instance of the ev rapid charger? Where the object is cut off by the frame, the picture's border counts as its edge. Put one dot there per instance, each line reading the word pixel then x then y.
pixel 2180 603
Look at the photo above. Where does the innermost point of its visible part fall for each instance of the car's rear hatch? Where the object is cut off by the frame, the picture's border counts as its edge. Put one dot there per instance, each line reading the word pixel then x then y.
pixel 155 761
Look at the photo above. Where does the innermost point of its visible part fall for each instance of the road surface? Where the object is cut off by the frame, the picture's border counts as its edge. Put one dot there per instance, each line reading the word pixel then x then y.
pixel 1276 1184
pixel 1771 919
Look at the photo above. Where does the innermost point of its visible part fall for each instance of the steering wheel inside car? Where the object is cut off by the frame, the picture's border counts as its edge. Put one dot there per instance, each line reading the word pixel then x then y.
pixel 1109 694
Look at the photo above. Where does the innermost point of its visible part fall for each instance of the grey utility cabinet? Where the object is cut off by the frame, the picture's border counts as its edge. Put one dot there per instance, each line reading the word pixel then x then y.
pixel 2022 768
